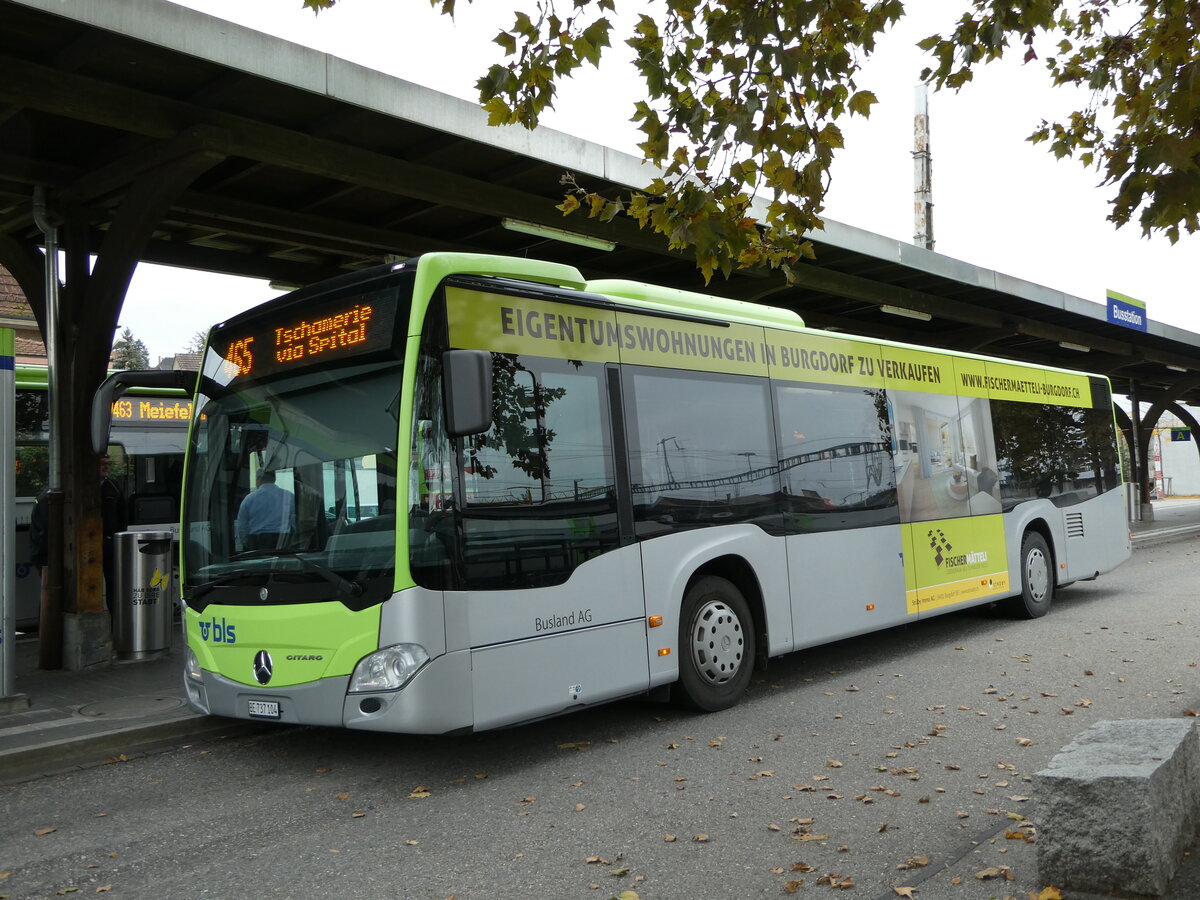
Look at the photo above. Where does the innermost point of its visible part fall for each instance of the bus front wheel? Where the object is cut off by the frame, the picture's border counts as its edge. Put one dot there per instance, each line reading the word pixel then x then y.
pixel 716 646
pixel 1037 578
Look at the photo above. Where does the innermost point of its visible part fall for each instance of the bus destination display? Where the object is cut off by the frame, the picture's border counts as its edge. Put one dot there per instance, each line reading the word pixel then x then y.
pixel 326 333
pixel 151 409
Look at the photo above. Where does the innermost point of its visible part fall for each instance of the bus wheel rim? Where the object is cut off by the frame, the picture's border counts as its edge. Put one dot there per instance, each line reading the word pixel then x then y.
pixel 718 643
pixel 1037 575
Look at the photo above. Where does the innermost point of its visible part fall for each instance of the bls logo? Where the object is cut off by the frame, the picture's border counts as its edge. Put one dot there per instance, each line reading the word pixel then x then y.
pixel 222 632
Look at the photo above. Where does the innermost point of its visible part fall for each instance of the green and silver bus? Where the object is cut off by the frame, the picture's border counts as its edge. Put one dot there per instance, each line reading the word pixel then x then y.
pixel 503 492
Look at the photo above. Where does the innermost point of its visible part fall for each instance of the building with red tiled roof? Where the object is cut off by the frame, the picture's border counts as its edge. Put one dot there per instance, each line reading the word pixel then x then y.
pixel 187 362
pixel 16 314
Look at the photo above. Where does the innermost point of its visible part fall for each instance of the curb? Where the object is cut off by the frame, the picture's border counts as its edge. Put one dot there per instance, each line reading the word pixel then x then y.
pixel 1163 534
pixel 117 744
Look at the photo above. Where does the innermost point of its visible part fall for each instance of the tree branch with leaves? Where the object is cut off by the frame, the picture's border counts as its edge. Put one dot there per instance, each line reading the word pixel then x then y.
pixel 744 97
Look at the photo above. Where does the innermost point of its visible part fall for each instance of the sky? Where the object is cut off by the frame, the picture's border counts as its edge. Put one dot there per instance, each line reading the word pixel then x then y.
pixel 999 202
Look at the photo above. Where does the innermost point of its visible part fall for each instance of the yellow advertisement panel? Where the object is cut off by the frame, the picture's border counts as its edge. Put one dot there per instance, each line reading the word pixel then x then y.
pixel 1008 382
pixel 505 324
pixel 952 561
pixel 508 324
pixel 905 369
pixel 677 344
pixel 805 356
pixel 970 377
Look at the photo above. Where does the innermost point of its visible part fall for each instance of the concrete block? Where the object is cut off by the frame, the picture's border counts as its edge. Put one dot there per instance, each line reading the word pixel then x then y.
pixel 87 640
pixel 1118 806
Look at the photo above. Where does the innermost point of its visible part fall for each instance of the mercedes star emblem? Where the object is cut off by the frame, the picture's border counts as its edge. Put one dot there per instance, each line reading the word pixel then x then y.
pixel 263 667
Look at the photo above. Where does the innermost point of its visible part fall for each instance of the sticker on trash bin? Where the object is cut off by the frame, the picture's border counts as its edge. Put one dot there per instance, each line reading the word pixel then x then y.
pixel 148 596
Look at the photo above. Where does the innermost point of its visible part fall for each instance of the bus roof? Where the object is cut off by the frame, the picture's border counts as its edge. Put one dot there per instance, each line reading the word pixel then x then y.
pixel 653 296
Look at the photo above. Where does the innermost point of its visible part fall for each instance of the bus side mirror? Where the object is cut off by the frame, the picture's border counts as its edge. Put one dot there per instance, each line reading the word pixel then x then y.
pixel 117 384
pixel 467 381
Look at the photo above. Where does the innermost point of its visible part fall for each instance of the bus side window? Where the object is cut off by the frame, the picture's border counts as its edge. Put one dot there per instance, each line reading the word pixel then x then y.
pixel 701 451
pixel 836 456
pixel 539 495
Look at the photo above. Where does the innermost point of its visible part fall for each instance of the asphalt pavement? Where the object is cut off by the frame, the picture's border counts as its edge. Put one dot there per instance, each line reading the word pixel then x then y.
pixel 63 720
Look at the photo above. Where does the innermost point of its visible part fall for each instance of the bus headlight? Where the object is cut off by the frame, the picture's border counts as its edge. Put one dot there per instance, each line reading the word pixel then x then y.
pixel 388 669
pixel 191 666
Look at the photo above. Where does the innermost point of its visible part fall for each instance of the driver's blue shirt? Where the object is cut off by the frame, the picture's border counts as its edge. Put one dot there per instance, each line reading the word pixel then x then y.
pixel 268 509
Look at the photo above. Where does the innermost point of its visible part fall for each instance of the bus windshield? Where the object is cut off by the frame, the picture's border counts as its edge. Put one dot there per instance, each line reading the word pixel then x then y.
pixel 291 496
pixel 294 485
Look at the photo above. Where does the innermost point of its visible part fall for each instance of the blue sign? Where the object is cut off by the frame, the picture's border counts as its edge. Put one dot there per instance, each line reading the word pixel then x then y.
pixel 1181 434
pixel 1126 311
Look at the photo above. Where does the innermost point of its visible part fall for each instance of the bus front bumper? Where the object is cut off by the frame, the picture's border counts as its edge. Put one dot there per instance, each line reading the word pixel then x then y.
pixel 437 700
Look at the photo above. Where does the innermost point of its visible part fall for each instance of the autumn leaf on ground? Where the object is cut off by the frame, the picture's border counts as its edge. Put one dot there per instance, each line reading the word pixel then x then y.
pixel 995 872
pixel 670 838
pixel 419 792
pixel 792 886
pixel 914 862
pixel 597 860
pixel 837 881
pixel 1049 893
pixel 42 831
pixel 904 892
pixel 700 838
pixel 801 867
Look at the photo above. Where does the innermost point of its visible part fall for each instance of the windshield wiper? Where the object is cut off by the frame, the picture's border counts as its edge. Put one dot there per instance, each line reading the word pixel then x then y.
pixel 344 585
pixel 201 589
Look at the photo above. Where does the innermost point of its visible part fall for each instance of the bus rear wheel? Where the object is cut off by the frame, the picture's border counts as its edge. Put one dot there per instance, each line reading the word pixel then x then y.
pixel 1037 578
pixel 716 646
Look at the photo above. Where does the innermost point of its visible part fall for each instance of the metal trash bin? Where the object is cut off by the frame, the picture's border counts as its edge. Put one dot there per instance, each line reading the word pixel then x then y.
pixel 143 596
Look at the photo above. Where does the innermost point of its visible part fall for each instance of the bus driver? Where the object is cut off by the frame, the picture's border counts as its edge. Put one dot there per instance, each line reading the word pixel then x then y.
pixel 266 515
